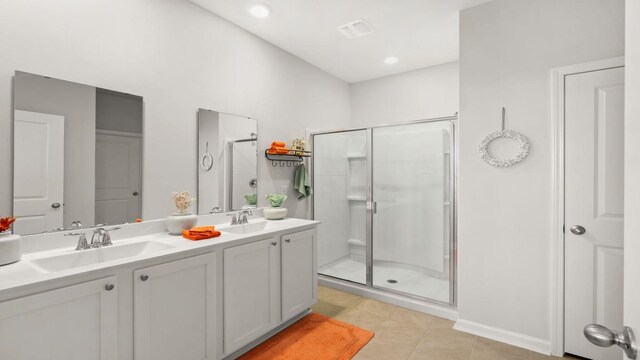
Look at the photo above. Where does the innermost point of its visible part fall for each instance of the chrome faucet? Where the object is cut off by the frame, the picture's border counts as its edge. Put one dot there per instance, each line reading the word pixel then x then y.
pixel 82 240
pixel 76 224
pixel 234 218
pixel 103 239
pixel 215 210
pixel 242 216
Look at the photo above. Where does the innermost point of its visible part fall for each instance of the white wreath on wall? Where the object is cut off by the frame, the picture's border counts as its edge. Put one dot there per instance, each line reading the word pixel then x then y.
pixel 522 140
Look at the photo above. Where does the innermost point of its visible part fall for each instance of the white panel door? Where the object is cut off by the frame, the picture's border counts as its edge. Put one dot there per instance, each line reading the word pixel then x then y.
pixel 38 180
pixel 594 200
pixel 251 292
pixel 77 322
pixel 175 310
pixel 299 280
pixel 118 170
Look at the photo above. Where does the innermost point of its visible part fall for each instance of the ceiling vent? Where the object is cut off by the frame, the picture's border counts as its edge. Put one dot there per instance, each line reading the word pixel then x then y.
pixel 356 29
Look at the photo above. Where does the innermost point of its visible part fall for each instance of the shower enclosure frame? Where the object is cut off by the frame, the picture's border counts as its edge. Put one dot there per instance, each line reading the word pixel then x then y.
pixel 370 208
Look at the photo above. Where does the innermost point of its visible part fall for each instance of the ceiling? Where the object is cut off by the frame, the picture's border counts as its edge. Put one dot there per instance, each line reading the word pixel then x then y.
pixel 420 33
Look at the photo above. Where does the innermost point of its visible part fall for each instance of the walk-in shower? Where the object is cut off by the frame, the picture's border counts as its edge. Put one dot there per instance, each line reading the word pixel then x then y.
pixel 385 196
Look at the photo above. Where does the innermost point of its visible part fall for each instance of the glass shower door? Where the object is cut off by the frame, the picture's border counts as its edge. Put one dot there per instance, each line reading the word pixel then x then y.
pixel 411 193
pixel 340 184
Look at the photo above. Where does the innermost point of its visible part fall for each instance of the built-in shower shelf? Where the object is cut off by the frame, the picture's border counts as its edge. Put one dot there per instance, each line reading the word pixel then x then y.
pixel 356 198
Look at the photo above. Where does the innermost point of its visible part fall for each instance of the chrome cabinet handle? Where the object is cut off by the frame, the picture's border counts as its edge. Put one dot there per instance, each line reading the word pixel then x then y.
pixel 109 287
pixel 144 277
pixel 578 230
pixel 55 205
pixel 274 243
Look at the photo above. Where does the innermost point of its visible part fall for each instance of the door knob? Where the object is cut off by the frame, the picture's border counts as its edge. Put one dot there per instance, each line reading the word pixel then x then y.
pixel 578 230
pixel 144 277
pixel 603 337
pixel 55 205
pixel 109 287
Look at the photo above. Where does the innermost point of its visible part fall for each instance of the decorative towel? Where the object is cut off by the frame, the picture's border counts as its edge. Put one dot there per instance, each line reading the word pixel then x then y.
pixel 278 147
pixel 301 182
pixel 200 233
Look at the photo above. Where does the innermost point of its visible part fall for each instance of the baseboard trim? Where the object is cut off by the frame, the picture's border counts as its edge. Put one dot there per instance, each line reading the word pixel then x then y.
pixel 507 337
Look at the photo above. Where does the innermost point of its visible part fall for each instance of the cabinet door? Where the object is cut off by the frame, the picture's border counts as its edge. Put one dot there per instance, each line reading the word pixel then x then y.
pixel 174 310
pixel 299 280
pixel 251 292
pixel 74 322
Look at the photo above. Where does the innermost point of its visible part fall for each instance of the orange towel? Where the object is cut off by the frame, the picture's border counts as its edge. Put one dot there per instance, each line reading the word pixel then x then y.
pixel 201 233
pixel 277 149
pixel 278 144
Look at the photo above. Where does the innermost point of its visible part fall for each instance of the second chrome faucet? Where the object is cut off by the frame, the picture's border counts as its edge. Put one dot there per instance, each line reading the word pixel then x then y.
pixel 100 238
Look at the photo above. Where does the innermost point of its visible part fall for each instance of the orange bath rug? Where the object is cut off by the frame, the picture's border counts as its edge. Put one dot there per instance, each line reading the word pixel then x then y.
pixel 314 337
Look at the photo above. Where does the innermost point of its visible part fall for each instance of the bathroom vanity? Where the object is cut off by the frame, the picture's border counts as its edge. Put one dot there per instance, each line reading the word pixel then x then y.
pixel 151 295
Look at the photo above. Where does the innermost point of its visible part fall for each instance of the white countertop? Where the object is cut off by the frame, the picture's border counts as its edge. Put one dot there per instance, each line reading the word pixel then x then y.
pixel 25 274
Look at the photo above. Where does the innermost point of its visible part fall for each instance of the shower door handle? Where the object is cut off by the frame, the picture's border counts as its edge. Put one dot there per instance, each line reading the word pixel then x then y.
pixel 372 206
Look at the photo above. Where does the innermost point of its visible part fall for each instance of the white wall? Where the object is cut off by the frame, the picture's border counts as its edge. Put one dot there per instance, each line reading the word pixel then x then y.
pixel 179 57
pixel 77 103
pixel 414 95
pixel 507 48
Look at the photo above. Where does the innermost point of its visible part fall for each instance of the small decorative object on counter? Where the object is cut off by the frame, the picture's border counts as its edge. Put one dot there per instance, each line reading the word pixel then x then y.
pixel 10 249
pixel 182 219
pixel 276 211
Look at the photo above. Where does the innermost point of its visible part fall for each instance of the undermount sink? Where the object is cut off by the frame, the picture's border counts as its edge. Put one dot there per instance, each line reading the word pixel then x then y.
pixel 249 227
pixel 94 256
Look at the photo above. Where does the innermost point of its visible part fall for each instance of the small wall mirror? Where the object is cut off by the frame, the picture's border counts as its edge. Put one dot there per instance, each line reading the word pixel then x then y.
pixel 77 155
pixel 227 162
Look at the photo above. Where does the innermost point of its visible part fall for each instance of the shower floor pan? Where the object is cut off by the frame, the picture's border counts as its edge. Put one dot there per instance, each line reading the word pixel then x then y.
pixel 392 277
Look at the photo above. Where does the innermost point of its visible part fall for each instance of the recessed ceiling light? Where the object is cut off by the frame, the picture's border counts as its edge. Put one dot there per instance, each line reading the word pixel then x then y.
pixel 260 10
pixel 391 60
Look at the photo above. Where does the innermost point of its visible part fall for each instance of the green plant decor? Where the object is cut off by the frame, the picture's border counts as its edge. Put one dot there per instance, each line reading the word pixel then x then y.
pixel 276 200
pixel 251 199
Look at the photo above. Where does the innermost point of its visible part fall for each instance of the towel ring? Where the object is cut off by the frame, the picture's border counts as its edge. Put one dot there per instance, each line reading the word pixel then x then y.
pixel 206 160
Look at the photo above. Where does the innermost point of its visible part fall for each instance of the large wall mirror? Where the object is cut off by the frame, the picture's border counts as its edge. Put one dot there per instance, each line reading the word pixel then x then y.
pixel 77 155
pixel 227 162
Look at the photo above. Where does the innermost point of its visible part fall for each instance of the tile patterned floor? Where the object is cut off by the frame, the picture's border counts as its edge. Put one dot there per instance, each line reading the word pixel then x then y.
pixel 403 334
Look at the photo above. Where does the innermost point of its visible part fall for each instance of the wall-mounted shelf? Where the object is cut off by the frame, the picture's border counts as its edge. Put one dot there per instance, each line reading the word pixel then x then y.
pixel 292 156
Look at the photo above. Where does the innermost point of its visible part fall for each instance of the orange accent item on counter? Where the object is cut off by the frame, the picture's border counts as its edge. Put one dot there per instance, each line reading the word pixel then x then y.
pixel 200 233
pixel 138 220
pixel 5 223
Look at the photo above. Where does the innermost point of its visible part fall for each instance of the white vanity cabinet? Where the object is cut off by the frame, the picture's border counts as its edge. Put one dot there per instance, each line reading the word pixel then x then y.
pixel 174 310
pixel 77 322
pixel 251 291
pixel 266 283
pixel 299 280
